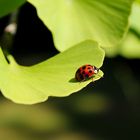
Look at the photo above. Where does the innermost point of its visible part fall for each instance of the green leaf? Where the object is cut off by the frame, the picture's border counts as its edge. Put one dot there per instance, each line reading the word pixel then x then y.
pixel 134 18
pixel 130 48
pixel 73 21
pixel 130 45
pixel 137 1
pixel 111 51
pixel 54 77
pixel 7 6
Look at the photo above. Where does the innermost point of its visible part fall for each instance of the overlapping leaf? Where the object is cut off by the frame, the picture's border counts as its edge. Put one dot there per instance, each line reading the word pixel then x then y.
pixel 73 21
pixel 130 46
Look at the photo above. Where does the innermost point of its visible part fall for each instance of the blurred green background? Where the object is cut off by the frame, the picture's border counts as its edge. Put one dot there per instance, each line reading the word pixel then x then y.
pixel 108 109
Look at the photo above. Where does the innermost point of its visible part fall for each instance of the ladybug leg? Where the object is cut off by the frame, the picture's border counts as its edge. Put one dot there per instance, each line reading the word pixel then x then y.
pixel 82 81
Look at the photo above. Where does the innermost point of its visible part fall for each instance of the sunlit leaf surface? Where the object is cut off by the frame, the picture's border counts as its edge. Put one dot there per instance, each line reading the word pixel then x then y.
pixel 54 77
pixel 135 17
pixel 73 21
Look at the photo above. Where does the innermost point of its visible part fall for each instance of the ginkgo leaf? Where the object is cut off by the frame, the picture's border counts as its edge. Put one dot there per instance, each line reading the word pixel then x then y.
pixel 137 1
pixel 130 45
pixel 134 18
pixel 73 21
pixel 130 48
pixel 53 77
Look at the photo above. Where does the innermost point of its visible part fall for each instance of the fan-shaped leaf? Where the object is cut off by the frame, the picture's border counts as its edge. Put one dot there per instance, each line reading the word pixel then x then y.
pixel 73 21
pixel 54 77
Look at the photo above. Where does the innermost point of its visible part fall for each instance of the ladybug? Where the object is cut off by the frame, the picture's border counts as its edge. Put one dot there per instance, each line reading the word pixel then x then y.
pixel 86 72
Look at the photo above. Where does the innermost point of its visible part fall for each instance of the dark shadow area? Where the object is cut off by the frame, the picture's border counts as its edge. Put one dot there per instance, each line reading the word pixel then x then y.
pixel 73 80
pixel 33 41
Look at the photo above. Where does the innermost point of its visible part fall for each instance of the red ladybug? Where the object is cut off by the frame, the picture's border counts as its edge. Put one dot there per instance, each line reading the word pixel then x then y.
pixel 86 72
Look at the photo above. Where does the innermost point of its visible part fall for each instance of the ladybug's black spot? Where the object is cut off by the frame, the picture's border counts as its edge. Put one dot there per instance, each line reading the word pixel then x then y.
pixel 89 67
pixel 83 67
pixel 95 68
pixel 90 71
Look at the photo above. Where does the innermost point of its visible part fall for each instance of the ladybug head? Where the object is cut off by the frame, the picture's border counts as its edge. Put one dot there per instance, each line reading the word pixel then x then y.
pixel 96 70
